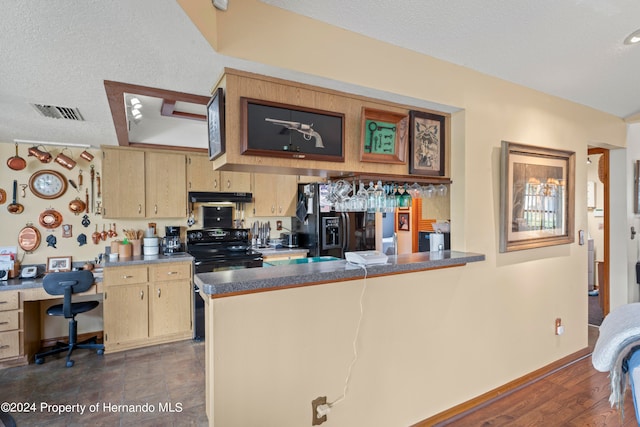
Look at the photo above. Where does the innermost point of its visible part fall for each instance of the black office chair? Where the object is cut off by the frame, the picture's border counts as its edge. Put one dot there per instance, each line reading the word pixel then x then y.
pixel 68 283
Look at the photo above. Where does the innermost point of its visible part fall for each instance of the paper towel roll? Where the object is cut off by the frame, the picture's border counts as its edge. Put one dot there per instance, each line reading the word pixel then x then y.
pixel 436 242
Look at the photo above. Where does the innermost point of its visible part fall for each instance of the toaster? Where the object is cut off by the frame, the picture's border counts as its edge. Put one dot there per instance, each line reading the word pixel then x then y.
pixel 289 240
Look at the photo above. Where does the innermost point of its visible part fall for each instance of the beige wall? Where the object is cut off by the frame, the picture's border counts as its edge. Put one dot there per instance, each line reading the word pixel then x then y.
pixel 457 333
pixel 34 206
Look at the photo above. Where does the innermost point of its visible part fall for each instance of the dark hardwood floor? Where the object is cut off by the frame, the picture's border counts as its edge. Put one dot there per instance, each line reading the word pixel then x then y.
pixel 577 395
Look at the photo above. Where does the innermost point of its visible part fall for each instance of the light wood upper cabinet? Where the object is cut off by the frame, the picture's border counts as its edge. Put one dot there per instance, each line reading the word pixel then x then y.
pixel 238 182
pixel 274 195
pixel 165 185
pixel 200 174
pixel 123 189
pixel 202 177
pixel 143 184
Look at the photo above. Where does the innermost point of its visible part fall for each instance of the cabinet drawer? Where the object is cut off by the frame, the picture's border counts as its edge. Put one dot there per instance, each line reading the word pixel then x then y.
pixel 9 344
pixel 177 271
pixel 125 275
pixel 8 300
pixel 9 320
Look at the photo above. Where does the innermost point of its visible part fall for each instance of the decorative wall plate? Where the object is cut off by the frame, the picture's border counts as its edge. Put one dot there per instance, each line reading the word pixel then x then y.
pixel 50 219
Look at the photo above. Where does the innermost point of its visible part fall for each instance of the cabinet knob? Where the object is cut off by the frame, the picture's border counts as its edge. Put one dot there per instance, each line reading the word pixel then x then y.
pixel 126 277
pixel 215 183
pixel 159 292
pixel 228 183
pixel 139 208
pixel 141 294
pixel 155 208
pixel 4 346
pixel 4 323
pixel 3 302
pixel 170 273
pixel 273 209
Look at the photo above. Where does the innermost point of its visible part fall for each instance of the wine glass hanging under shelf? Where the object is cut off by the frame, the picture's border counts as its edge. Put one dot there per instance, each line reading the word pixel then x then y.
pixel 378 197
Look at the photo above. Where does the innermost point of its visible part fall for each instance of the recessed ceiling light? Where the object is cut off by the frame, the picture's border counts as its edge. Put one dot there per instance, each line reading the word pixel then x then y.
pixel 633 38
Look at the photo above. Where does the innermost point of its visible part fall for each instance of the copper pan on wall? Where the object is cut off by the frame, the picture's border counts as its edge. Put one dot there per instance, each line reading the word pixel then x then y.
pixel 29 238
pixel 16 162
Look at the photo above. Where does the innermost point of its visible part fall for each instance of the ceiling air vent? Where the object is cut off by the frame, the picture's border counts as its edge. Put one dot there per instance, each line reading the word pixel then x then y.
pixel 56 112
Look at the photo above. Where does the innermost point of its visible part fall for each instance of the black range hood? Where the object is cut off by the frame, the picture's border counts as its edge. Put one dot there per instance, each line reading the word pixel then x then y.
pixel 219 197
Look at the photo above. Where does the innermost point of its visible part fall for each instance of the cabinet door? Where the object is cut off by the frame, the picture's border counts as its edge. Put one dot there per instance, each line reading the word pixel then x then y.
pixel 264 194
pixel 126 314
pixel 239 182
pixel 170 307
pixel 287 191
pixel 200 174
pixel 165 183
pixel 123 184
pixel 274 195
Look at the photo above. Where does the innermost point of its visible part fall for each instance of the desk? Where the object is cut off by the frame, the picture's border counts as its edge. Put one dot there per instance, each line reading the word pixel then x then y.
pixel 20 331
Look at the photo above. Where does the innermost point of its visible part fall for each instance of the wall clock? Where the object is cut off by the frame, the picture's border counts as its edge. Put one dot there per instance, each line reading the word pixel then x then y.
pixel 48 184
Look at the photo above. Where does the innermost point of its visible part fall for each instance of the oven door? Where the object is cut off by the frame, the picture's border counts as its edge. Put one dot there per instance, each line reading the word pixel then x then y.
pixel 211 266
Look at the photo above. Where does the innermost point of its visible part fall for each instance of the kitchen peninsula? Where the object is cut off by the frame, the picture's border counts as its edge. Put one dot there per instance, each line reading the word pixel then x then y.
pixel 277 338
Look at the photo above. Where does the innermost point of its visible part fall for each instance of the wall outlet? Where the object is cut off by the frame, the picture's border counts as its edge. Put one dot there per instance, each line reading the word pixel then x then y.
pixel 315 420
pixel 559 327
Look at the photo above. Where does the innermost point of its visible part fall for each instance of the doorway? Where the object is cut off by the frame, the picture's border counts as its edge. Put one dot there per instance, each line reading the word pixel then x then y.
pixel 598 178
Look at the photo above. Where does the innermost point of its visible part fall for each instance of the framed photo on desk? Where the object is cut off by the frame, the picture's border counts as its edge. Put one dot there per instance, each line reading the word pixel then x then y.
pixel 56 264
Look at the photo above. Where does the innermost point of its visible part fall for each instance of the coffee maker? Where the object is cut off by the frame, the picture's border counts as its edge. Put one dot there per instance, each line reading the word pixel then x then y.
pixel 172 243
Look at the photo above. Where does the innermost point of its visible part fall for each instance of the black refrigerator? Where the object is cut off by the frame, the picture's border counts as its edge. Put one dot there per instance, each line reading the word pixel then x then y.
pixel 325 232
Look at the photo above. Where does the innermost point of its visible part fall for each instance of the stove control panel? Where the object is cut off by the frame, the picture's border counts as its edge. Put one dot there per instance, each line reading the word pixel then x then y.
pixel 218 235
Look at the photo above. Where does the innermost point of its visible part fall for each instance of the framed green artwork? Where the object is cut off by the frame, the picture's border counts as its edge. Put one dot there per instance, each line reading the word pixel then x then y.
pixel 384 136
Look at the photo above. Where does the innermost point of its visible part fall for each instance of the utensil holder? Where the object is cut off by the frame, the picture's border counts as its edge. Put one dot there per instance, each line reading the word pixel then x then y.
pixel 115 245
pixel 125 250
pixel 136 247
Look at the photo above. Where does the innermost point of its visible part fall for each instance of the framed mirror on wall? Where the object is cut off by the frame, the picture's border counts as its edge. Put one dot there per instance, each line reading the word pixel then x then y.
pixel 157 118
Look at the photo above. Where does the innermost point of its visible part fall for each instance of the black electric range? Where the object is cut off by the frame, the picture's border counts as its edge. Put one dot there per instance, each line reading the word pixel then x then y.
pixel 218 249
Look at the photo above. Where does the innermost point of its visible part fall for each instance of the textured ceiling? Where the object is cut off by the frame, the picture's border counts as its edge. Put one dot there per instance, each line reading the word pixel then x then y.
pixel 59 52
pixel 569 48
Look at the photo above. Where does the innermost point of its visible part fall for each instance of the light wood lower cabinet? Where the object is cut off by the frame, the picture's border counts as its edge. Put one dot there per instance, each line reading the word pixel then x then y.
pixel 147 305
pixel 167 314
pixel 9 325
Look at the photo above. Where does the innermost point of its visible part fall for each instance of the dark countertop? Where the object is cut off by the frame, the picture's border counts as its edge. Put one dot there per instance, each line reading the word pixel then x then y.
pixel 233 282
pixel 21 284
pixel 36 282
pixel 148 259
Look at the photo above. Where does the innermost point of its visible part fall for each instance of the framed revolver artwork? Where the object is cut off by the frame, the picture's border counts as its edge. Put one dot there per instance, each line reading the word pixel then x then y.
pixel 281 130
